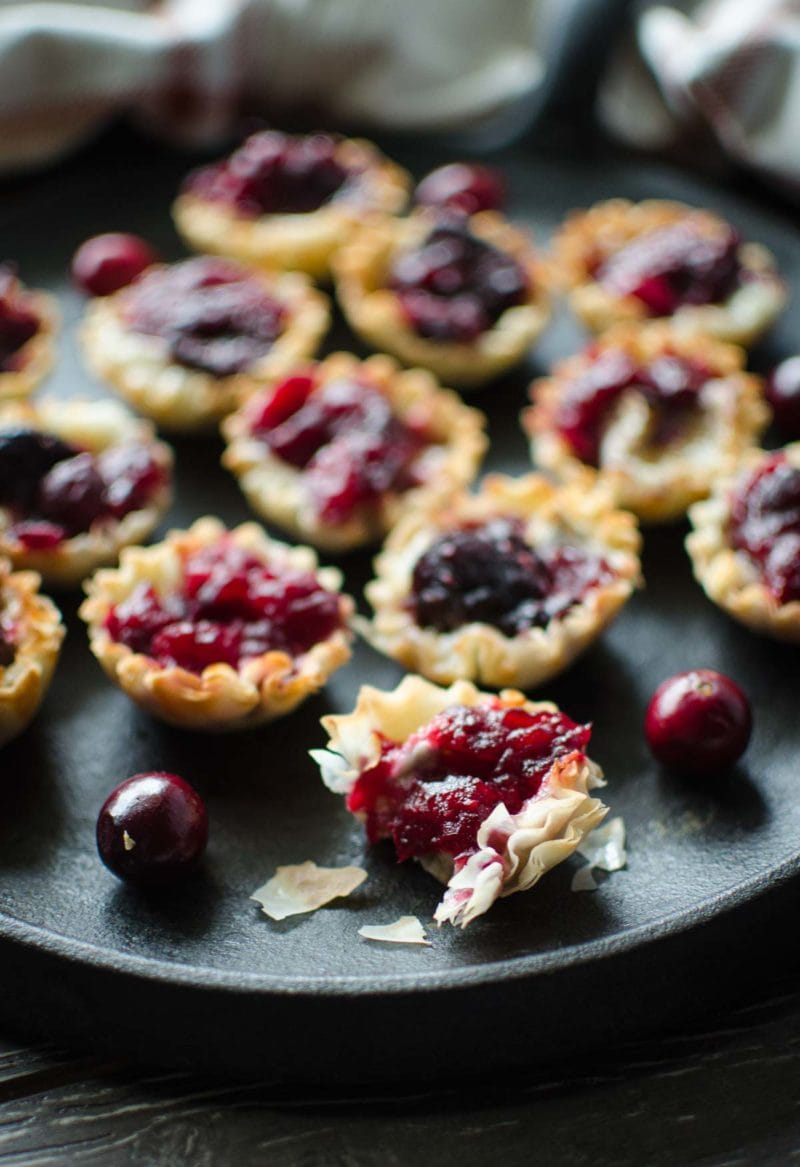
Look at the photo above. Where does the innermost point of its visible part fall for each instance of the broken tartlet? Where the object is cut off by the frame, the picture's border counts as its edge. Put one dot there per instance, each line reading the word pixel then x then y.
pixel 461 296
pixel 335 452
pixel 31 633
pixel 622 261
pixel 28 322
pixel 186 341
pixel 659 415
pixel 288 202
pixel 745 542
pixel 79 480
pixel 216 629
pixel 486 792
pixel 505 587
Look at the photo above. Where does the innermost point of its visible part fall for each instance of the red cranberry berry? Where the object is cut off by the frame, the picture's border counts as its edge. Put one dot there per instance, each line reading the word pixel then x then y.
pixel 17 322
pixel 783 394
pixel 152 829
pixel 26 455
pixel 72 493
pixel 462 186
pixel 698 722
pixel 106 263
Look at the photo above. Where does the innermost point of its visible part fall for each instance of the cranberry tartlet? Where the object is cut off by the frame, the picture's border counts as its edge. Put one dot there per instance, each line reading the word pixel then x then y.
pixel 745 542
pixel 185 342
pixel 337 451
pixel 486 792
pixel 28 321
pixel 460 295
pixel 79 480
pixel 659 415
pixel 30 641
pixel 218 630
pixel 505 587
pixel 288 202
pixel 625 261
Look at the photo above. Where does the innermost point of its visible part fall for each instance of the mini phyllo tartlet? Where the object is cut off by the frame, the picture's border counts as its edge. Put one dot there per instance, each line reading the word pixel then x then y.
pixel 337 451
pixel 79 480
pixel 31 633
pixel 660 416
pixel 28 323
pixel 463 296
pixel 218 629
pixel 623 261
pixel 185 342
pixel 288 202
pixel 487 792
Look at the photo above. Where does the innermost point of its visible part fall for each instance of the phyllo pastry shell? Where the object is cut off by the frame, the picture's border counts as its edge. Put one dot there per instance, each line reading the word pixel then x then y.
pixel 28 326
pixel 505 587
pixel 336 452
pixel 30 641
pixel 486 792
pixel 218 630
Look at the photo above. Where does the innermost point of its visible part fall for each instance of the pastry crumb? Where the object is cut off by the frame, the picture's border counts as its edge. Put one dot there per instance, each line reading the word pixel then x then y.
pixel 406 930
pixel 304 887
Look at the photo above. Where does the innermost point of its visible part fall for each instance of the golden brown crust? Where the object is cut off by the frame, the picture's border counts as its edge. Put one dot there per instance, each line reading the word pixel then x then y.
pixel 33 626
pixel 221 697
pixel 36 357
pixel 373 310
pixel 590 236
pixel 656 483
pixel 728 576
pixel 580 514
pixel 303 242
pixel 94 426
pixel 185 400
pixel 275 489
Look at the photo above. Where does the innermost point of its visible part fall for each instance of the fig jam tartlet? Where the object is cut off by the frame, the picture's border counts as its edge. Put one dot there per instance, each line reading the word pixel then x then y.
pixel 337 451
pixel 745 545
pixel 184 342
pixel 659 415
pixel 216 629
pixel 505 587
pixel 288 202
pixel 30 641
pixel 28 322
pixel 79 480
pixel 486 792
pixel 460 295
pixel 623 261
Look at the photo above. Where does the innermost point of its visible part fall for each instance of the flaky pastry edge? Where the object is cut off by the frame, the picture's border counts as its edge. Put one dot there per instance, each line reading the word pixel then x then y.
pixel 24 682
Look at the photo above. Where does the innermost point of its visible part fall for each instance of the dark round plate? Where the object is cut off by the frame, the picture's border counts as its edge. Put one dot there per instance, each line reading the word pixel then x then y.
pixel 196 975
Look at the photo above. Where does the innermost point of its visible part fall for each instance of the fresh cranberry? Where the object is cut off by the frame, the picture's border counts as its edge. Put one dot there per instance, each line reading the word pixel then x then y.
pixel 765 524
pixel 18 322
pixel 131 476
pixel 105 263
pixel 432 792
pixel 152 829
pixel 72 494
pixel 26 455
pixel 462 186
pixel 674 265
pixel 783 394
pixel 698 722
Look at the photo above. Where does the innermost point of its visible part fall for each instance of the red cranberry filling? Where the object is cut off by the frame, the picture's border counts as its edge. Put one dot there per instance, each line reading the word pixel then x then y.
pixel 55 490
pixel 670 384
pixel 232 607
pixel 344 436
pixel 433 791
pixel 272 173
pixel 490 574
pixel 17 322
pixel 462 186
pixel 213 314
pixel 674 265
pixel 765 523
pixel 455 286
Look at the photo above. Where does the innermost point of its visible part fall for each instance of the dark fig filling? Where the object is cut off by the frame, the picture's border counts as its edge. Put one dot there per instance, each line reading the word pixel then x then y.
pixel 433 791
pixel 454 286
pixel 232 607
pixel 765 524
pixel 275 174
pixel 54 490
pixel 18 322
pixel 674 265
pixel 488 573
pixel 670 384
pixel 213 314
pixel 353 450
